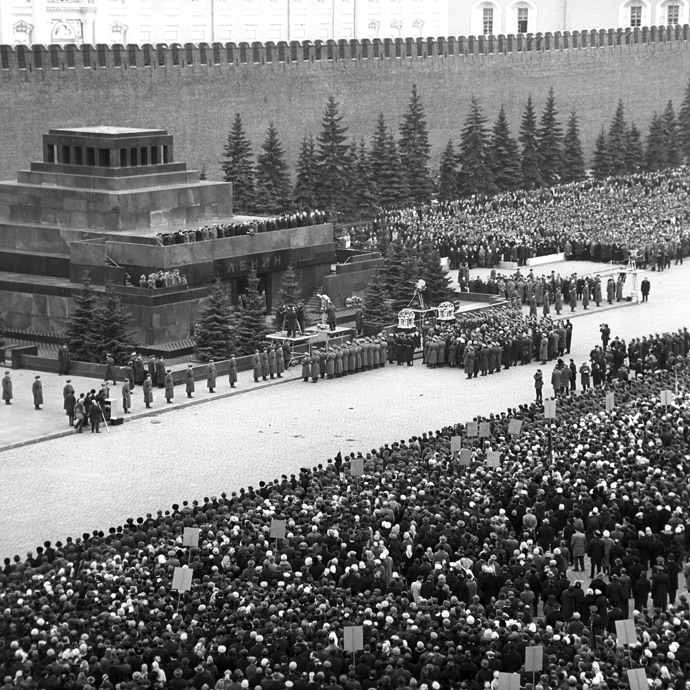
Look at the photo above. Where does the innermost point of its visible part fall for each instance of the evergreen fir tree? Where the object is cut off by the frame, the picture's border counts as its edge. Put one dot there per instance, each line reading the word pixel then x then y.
pixel 550 143
pixel 670 126
pixel 476 176
pixel 364 193
pixel 251 324
pixel 634 154
pixel 376 302
pixel 573 158
pixel 531 175
pixel 437 282
pixel 113 328
pixel 215 332
pixel 81 326
pixel 617 142
pixel 415 150
pixel 448 188
pixel 684 124
pixel 289 291
pixel 400 273
pixel 272 176
pixel 238 168
pixel 505 155
pixel 304 194
pixel 334 171
pixel 600 162
pixel 656 155
pixel 392 190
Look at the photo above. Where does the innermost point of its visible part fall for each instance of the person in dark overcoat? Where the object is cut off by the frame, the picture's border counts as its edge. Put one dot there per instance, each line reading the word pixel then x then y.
pixel 148 391
pixel 211 376
pixel 70 402
pixel 126 396
pixel 110 369
pixel 7 388
pixel 189 380
pixel 169 386
pixel 37 390
pixel 232 371
pixel 63 360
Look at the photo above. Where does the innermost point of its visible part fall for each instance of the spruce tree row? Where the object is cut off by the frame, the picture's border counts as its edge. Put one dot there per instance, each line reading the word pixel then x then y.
pixel 99 325
pixel 620 150
pixel 355 179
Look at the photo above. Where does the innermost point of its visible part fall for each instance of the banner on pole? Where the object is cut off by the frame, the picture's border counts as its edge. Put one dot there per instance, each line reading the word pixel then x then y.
pixel 357 467
pixel 465 457
pixel 550 409
pixel 455 443
pixel 637 679
pixel 484 430
pixel 625 632
pixel 514 427
pixel 277 529
pixel 472 429
pixel 353 638
pixel 493 458
pixel 534 659
pixel 190 536
pixel 508 681
pixel 610 401
pixel 182 579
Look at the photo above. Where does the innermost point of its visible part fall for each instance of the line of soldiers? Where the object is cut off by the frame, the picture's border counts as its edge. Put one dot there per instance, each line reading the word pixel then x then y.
pixel 336 361
pixel 272 361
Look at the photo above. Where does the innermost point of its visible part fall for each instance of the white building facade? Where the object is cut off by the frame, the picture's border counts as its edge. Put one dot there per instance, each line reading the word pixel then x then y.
pixel 194 21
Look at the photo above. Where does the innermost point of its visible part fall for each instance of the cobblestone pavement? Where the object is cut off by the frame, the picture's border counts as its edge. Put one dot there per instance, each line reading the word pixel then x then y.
pixel 76 484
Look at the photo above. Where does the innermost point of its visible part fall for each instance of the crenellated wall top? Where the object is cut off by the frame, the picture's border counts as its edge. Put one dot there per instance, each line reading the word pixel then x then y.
pixel 39 58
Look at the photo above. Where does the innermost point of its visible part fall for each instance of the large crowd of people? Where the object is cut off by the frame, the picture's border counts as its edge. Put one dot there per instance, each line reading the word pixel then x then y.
pixel 644 215
pixel 451 569
pixel 217 231
pixel 495 339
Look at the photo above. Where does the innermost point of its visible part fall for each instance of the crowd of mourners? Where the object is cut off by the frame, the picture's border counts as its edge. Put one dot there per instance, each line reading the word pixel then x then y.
pixel 644 215
pixel 452 570
pixel 217 231
pixel 493 340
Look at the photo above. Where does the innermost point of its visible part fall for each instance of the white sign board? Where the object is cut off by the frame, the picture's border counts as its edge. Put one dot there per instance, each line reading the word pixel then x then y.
pixel 277 529
pixel 191 536
pixel 357 467
pixel 455 444
pixel 353 638
pixel 182 579
pixel 508 681
pixel 637 679
pixel 472 429
pixel 493 458
pixel 625 632
pixel 610 401
pixel 666 398
pixel 550 409
pixel 465 457
pixel 534 659
pixel 484 430
pixel 514 427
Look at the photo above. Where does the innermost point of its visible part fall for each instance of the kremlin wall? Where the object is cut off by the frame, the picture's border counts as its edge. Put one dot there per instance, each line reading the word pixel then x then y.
pixel 193 91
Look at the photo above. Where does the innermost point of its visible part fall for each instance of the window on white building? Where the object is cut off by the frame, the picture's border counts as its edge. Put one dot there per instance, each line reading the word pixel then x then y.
pixel 488 21
pixel 673 15
pixel 636 16
pixel 522 20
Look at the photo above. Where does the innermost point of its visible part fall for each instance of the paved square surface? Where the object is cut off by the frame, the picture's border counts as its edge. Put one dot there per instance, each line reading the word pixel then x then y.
pixel 79 483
